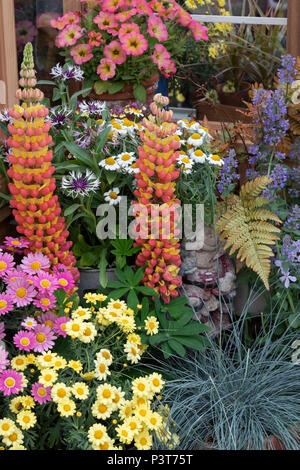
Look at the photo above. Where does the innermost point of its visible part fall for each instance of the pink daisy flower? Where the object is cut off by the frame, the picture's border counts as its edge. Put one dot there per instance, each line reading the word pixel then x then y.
pixel 34 263
pixel 2 331
pixel 6 263
pixel 142 7
pixel 12 275
pixel 105 20
pixel 199 31
pixel 40 393
pixel 125 15
pixel 81 53
pixel 47 319
pixel 60 326
pixel 65 280
pixel 46 282
pixel 29 323
pixel 3 359
pixel 25 340
pixel 134 43
pixel 44 338
pixel 45 301
pixel 106 69
pixel 69 36
pixel 128 28
pixel 6 304
pixel 11 382
pixel 21 292
pixel 161 56
pixel 16 242
pixel 157 29
pixel 115 52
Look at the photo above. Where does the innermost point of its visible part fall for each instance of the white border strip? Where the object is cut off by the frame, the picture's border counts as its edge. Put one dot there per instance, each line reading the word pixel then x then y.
pixel 240 20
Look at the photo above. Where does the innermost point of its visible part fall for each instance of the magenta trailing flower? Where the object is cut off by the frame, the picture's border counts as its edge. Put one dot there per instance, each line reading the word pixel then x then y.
pixel 46 282
pixel 29 323
pixel 33 263
pixel 4 362
pixel 6 263
pixel 106 69
pixel 11 382
pixel 6 304
pixel 47 319
pixel 44 338
pixel 45 301
pixel 21 292
pixel 25 340
pixel 16 242
pixel 60 326
pixel 40 393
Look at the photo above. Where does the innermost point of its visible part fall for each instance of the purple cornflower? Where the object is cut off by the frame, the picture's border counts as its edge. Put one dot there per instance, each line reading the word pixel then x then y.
pixel 227 173
pixel 287 72
pixel 72 72
pixel 93 107
pixel 59 117
pixel 84 136
pixel 77 184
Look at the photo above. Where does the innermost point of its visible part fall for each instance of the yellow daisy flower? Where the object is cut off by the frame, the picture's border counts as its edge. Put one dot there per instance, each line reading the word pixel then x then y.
pixel 16 405
pixel 97 434
pixel 19 362
pixel 132 352
pixel 156 382
pixel 26 419
pixel 80 390
pixel 143 441
pixel 105 394
pixel 59 363
pixel 134 424
pixel 88 334
pixel 14 438
pixel 7 426
pixel 124 433
pixel 82 313
pixel 154 421
pixel 75 365
pixel 140 386
pixel 75 327
pixel 60 391
pixel 45 360
pixel 28 401
pixel 100 410
pixel 151 325
pixel 101 370
pixel 66 407
pixel 104 355
pixel 125 409
pixel 48 377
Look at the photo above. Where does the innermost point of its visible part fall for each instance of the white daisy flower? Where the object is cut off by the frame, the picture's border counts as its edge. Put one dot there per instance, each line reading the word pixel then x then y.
pixel 198 156
pixel 133 169
pixel 184 161
pixel 196 139
pixel 125 159
pixel 183 123
pixel 110 163
pixel 112 196
pixel 215 160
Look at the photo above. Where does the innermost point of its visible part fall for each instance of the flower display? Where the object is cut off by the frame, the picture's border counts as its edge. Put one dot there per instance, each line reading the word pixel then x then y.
pixel 36 209
pixel 108 36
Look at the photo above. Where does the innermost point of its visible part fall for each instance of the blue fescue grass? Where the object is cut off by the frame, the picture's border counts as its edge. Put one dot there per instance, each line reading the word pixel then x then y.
pixel 235 396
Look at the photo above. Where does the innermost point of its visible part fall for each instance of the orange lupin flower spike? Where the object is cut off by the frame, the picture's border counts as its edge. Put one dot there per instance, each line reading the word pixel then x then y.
pixel 156 188
pixel 35 207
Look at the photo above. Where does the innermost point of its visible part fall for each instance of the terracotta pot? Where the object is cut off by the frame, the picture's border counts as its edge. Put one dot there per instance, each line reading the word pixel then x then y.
pixel 235 98
pixel 123 97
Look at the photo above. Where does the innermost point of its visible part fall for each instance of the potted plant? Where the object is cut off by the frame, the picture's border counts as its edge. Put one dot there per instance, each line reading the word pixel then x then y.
pixel 123 46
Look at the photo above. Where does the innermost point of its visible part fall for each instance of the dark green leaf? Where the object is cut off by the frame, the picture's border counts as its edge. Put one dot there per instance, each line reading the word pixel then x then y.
pixel 177 347
pixel 139 93
pixel 193 342
pixel 115 87
pixel 69 210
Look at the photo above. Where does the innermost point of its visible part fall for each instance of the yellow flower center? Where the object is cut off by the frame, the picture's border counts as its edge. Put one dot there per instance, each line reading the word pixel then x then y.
pixel 87 332
pixel 102 368
pixel 141 387
pixel 104 446
pixel 80 391
pixel 3 265
pixel 13 437
pixel 102 408
pixel 3 304
pixel 16 242
pixel 110 161
pixel 41 392
pixel 21 292
pixel 10 382
pixel 5 426
pixel 19 362
pixel 156 382
pixel 151 325
pixel 98 434
pixel 40 337
pixel 26 419
pixel 35 265
pixel 113 195
pixel 24 341
pixel 63 282
pixel 143 441
pixel 45 283
pixel 196 136
pixel 126 157
pixel 45 301
pixel 67 407
pixel 75 327
pixel 198 153
pixel 106 393
pixel 48 358
pixel 215 158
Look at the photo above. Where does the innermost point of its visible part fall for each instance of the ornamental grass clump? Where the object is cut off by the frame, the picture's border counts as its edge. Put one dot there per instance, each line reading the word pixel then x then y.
pixel 82 393
pixel 35 207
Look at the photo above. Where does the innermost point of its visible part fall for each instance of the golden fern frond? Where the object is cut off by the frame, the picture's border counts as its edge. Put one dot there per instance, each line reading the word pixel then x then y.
pixel 246 229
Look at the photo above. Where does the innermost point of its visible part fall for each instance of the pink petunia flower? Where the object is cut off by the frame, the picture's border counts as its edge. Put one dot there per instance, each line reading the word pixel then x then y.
pixel 2 331
pixel 46 282
pixel 29 323
pixel 40 393
pixel 45 301
pixel 71 18
pixel 161 56
pixel 34 263
pixel 169 70
pixel 125 15
pixel 21 292
pixel 112 5
pixel 81 53
pixel 69 36
pixel 60 326
pixel 6 304
pixel 105 20
pixel 184 18
pixel 11 382
pixel 157 29
pixel 127 28
pixel 6 263
pixel 16 242
pixel 199 31
pixel 3 359
pixel 44 338
pixel 115 52
pixel 25 340
pixel 142 7
pixel 134 43
pixel 106 69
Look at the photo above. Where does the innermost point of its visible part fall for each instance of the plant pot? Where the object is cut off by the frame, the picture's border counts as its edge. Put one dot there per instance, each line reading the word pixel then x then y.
pixel 123 97
pixel 89 279
pixel 235 98
pixel 220 112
